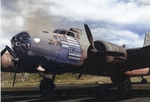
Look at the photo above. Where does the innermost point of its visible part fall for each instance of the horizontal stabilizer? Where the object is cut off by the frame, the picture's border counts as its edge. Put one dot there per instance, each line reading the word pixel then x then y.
pixel 147 39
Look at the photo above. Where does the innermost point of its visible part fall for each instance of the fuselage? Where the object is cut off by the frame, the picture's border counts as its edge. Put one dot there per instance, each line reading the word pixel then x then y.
pixel 65 51
pixel 51 50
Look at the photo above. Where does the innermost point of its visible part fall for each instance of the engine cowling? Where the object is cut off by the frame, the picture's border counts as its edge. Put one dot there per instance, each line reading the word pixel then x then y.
pixel 107 46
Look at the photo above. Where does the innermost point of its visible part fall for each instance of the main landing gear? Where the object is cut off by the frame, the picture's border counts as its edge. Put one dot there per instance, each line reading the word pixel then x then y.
pixel 124 86
pixel 47 86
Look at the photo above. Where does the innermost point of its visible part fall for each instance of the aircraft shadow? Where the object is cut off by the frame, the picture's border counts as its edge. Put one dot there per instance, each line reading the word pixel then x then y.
pixel 81 93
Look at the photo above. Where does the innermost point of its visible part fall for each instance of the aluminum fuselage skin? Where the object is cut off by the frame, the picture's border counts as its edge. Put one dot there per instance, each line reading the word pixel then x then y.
pixel 60 53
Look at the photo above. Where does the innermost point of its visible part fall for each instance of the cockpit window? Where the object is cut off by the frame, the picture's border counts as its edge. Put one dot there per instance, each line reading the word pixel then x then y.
pixel 70 34
pixel 60 31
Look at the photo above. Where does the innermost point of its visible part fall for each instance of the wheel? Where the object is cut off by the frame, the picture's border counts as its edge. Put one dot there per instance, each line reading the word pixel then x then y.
pixel 124 87
pixel 113 79
pixel 144 81
pixel 47 87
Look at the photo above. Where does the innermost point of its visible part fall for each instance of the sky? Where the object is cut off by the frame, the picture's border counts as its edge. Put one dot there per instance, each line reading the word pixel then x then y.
pixel 117 21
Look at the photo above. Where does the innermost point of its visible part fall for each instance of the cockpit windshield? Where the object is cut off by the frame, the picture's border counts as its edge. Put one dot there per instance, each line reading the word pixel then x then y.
pixel 60 31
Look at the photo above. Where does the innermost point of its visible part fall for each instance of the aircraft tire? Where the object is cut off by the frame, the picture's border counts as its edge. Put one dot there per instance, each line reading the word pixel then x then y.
pixel 47 87
pixel 144 81
pixel 124 87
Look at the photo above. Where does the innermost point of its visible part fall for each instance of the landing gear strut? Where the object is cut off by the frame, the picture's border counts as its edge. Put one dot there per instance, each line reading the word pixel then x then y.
pixel 47 86
pixel 124 86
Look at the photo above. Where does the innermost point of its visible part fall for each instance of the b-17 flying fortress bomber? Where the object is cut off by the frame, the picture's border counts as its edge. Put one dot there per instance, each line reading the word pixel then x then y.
pixel 63 51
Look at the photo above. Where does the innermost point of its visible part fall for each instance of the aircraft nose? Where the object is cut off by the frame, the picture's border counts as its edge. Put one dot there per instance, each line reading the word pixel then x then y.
pixel 21 42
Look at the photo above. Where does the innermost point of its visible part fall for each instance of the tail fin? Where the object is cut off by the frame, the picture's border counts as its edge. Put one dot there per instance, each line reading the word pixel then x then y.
pixel 147 39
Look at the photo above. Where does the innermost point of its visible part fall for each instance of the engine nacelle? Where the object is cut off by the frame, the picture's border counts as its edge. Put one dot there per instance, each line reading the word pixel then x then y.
pixel 106 46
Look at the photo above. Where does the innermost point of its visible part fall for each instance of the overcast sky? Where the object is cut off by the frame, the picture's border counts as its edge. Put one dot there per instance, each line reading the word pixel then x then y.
pixel 117 21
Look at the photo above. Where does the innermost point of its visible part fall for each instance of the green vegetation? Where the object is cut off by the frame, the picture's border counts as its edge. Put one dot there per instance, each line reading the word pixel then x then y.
pixel 67 78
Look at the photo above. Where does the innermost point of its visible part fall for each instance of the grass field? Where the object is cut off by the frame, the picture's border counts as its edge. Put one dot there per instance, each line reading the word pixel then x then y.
pixel 67 78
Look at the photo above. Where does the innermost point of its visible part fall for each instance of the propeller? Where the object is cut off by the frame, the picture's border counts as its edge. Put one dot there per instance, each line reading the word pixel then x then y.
pixel 9 50
pixel 3 51
pixel 90 38
pixel 110 53
pixel 96 52
pixel 12 54
pixel 87 62
pixel 85 66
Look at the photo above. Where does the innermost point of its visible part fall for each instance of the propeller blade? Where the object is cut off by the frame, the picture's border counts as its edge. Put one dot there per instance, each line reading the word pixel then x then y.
pixel 89 36
pixel 111 53
pixel 10 51
pixel 3 52
pixel 85 67
pixel 14 79
pixel 80 75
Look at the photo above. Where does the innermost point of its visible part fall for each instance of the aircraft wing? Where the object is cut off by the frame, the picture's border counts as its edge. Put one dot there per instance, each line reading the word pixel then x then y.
pixel 138 58
pixel 107 58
